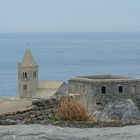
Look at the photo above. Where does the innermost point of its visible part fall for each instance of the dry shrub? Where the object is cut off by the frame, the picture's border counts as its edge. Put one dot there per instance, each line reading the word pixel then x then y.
pixel 72 109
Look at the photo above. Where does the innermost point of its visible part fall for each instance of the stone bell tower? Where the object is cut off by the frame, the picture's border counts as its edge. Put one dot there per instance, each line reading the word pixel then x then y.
pixel 27 76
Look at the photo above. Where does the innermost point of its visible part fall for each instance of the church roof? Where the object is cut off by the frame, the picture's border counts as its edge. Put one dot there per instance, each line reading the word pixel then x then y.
pixel 50 84
pixel 28 59
pixel 44 93
pixel 47 88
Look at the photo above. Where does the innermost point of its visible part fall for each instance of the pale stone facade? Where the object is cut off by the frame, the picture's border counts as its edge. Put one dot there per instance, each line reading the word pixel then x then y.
pixel 28 84
pixel 99 90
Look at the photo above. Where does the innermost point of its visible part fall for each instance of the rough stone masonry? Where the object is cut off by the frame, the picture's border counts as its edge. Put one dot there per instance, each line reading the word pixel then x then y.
pixel 102 89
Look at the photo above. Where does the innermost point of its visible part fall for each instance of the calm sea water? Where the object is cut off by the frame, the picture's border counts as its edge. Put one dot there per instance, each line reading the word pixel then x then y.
pixel 64 55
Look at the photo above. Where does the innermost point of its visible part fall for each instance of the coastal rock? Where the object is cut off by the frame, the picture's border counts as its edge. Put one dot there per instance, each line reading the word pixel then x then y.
pixel 48 132
pixel 124 110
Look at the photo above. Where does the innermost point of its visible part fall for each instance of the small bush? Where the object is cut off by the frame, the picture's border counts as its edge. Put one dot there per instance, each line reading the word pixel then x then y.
pixel 72 109
pixel 53 119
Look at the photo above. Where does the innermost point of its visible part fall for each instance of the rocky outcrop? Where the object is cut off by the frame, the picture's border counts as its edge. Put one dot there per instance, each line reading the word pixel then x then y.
pixel 42 132
pixel 124 110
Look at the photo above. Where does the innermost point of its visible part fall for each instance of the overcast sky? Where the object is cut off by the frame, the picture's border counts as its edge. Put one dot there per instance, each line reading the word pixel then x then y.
pixel 69 15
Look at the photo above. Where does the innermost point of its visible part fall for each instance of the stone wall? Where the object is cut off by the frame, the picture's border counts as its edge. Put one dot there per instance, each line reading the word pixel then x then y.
pixel 62 90
pixel 92 90
pixel 103 77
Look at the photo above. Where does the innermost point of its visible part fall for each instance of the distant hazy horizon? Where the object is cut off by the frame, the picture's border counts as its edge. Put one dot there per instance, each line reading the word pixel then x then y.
pixel 69 16
pixel 68 32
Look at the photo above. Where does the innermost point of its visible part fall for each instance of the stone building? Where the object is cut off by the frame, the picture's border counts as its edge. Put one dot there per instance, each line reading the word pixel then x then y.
pixel 29 85
pixel 101 89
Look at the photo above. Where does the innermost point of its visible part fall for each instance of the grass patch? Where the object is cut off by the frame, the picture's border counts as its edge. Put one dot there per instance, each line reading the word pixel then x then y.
pixel 53 119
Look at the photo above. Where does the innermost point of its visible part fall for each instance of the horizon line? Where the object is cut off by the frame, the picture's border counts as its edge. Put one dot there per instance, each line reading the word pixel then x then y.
pixel 77 32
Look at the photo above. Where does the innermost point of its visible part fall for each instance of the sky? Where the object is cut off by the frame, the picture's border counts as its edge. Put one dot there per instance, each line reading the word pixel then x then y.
pixel 69 15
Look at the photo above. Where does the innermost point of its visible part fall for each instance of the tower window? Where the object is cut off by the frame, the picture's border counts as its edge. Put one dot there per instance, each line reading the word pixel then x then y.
pixel 103 90
pixel 25 87
pixel 34 74
pixel 120 89
pixel 24 75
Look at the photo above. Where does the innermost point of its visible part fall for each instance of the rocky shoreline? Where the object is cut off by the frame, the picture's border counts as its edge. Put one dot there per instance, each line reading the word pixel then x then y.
pixel 43 112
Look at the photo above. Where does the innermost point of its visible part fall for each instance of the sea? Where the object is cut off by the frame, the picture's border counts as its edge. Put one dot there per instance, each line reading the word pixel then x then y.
pixel 64 55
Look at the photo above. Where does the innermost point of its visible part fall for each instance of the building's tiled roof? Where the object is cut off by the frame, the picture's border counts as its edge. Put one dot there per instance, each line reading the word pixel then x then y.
pixel 50 84
pixel 47 88
pixel 44 93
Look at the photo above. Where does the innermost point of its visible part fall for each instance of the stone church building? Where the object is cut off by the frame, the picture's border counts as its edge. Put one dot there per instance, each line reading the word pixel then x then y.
pixel 97 90
pixel 29 86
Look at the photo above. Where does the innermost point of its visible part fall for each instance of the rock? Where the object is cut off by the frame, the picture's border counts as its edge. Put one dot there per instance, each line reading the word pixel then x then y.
pixel 48 132
pixel 7 122
pixel 52 102
pixel 39 103
pixel 124 110
pixel 47 103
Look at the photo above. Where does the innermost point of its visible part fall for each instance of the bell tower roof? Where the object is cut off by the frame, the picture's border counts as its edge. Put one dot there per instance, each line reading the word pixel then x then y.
pixel 28 59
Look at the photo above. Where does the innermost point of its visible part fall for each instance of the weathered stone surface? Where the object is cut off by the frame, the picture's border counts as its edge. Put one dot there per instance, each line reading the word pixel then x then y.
pixel 42 110
pixel 119 110
pixel 7 122
pixel 48 103
pixel 39 103
pixel 35 115
pixel 42 132
pixel 115 88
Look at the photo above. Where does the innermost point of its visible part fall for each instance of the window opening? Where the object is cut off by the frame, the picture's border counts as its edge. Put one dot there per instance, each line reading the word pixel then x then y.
pixel 34 74
pixel 24 75
pixel 103 90
pixel 120 89
pixel 25 87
